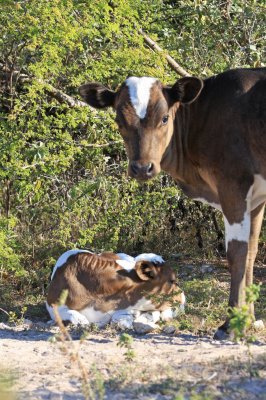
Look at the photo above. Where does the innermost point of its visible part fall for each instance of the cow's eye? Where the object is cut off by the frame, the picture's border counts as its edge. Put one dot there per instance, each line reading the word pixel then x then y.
pixel 165 119
pixel 172 281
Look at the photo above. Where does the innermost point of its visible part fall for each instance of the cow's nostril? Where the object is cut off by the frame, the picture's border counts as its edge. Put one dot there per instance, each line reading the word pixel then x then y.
pixel 134 168
pixel 149 168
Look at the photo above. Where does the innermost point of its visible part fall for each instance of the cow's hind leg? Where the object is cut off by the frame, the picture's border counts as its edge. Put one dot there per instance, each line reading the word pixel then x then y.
pixel 256 222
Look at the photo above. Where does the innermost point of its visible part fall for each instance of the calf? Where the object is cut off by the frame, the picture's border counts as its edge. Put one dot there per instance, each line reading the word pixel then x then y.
pixel 210 136
pixel 113 287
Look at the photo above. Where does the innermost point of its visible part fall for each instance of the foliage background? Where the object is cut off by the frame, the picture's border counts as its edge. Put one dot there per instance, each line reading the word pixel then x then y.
pixel 63 180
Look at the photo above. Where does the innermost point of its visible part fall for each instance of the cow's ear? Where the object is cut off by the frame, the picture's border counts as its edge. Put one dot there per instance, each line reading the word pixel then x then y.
pixel 185 90
pixel 145 270
pixel 97 95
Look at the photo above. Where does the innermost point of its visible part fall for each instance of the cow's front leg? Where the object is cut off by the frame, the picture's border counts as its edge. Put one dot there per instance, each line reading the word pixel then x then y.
pixel 237 232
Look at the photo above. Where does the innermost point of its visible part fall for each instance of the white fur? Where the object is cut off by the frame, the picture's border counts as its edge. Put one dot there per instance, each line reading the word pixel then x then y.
pixel 126 257
pixel 64 257
pixel 66 314
pixel 142 304
pixel 127 262
pixel 139 93
pixel 128 265
pixel 96 317
pixel 150 257
pixel 237 231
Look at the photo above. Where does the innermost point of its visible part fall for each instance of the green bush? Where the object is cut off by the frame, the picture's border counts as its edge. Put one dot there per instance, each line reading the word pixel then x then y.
pixel 63 176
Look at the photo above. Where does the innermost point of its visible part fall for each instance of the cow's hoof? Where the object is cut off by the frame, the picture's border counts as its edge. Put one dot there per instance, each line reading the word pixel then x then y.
pixel 221 334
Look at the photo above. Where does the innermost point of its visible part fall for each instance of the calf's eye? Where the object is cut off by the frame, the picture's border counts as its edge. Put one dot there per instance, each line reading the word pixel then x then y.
pixel 165 119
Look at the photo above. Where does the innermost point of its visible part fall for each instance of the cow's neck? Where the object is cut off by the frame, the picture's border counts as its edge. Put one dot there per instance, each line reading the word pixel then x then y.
pixel 181 160
pixel 177 161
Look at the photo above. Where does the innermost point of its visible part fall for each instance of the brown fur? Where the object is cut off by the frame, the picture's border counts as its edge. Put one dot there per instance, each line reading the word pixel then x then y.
pixel 213 145
pixel 98 281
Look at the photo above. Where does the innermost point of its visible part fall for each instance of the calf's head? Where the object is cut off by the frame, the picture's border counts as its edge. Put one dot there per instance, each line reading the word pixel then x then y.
pixel 159 280
pixel 145 112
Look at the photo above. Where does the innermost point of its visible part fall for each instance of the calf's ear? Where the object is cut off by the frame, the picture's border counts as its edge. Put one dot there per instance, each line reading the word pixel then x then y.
pixel 97 95
pixel 185 90
pixel 145 270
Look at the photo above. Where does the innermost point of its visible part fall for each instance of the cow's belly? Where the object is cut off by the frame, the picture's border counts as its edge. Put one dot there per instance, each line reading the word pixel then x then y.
pixel 258 191
pixel 257 196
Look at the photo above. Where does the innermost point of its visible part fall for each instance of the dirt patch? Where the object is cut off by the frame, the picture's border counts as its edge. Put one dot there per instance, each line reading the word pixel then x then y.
pixel 179 366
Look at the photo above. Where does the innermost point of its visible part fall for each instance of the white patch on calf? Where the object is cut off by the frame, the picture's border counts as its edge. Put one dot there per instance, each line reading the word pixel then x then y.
pixel 150 257
pixel 126 257
pixel 237 231
pixel 139 93
pixel 75 317
pixel 127 262
pixel 97 317
pixel 167 315
pixel 128 265
pixel 142 304
pixel 64 257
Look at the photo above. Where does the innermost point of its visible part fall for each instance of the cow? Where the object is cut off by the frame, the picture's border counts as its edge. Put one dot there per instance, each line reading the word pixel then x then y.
pixel 118 288
pixel 210 136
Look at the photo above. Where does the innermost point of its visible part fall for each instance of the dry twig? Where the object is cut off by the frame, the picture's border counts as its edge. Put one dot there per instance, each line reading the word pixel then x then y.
pixel 173 64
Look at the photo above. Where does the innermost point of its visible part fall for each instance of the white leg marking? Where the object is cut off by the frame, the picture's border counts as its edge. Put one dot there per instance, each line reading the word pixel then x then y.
pixel 64 257
pixel 239 231
pixel 68 315
pixel 139 93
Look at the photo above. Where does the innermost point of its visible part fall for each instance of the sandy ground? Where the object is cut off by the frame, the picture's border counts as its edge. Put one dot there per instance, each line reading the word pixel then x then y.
pixel 164 366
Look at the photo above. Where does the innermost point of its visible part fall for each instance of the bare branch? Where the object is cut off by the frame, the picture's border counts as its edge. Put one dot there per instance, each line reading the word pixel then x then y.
pixel 57 94
pixel 63 97
pixel 173 64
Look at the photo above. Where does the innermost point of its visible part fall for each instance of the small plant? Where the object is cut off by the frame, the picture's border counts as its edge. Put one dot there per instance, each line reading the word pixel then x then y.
pixel 14 318
pixel 240 318
pixel 92 382
pixel 126 341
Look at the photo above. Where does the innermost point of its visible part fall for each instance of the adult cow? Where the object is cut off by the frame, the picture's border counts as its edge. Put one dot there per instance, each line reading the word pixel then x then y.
pixel 210 136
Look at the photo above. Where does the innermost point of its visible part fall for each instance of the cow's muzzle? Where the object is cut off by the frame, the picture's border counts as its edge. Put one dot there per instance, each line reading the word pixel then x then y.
pixel 140 171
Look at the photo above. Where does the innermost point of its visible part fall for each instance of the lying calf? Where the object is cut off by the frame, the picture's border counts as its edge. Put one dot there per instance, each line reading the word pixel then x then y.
pixel 112 288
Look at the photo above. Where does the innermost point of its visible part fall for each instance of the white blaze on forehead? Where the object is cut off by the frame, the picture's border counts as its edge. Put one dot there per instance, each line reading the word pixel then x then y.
pixel 139 93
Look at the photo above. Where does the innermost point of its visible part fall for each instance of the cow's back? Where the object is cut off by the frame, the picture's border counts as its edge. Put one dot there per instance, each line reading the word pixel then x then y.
pixel 227 123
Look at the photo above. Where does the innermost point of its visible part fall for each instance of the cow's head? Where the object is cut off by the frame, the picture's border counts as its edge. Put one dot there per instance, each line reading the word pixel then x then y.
pixel 145 111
